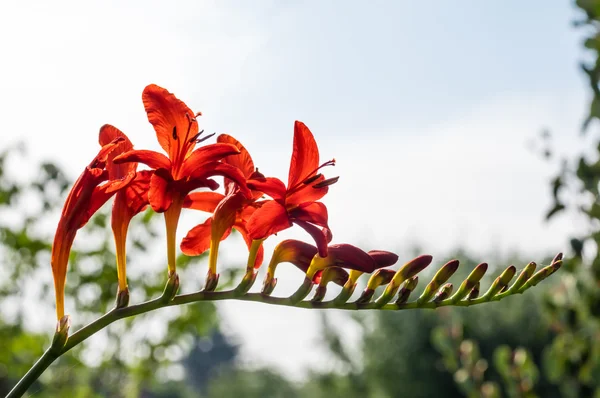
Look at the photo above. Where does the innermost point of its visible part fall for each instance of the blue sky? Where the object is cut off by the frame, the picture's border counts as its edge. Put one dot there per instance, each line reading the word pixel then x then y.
pixel 428 107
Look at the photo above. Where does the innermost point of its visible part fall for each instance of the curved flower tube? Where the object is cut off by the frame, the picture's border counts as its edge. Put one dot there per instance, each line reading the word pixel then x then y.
pixel 128 202
pixel 87 195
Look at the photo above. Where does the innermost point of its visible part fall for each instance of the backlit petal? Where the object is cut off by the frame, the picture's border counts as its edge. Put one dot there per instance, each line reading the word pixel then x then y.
pixel 153 159
pixel 315 213
pixel 207 154
pixel 108 134
pixel 269 219
pixel 243 160
pixel 173 121
pixel 305 155
pixel 197 240
pixel 203 201
pixel 270 186
pixel 159 193
pixel 320 236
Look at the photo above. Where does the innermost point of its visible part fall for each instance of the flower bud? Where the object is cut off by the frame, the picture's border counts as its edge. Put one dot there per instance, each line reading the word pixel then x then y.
pixel 443 293
pixel 468 284
pixel 122 298
pixel 407 289
pixel 439 278
pixel 171 287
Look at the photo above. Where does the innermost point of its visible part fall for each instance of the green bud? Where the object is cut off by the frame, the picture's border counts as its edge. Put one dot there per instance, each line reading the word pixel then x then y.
pixel 468 284
pixel 523 277
pixel 500 282
pixel 443 293
pixel 474 293
pixel 407 289
pixel 439 278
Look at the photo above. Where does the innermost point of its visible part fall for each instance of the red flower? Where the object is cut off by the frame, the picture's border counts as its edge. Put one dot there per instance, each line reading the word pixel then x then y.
pixel 296 203
pixel 231 210
pixel 185 169
pixel 85 198
pixel 129 201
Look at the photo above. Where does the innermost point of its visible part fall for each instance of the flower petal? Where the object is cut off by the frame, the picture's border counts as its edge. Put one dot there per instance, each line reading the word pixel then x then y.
pixel 269 219
pixel 315 213
pixel 243 160
pixel 153 159
pixel 270 186
pixel 305 155
pixel 221 169
pixel 175 124
pixel 306 194
pixel 225 214
pixel 197 240
pixel 159 194
pixel 320 236
pixel 203 201
pixel 206 154
pixel 108 134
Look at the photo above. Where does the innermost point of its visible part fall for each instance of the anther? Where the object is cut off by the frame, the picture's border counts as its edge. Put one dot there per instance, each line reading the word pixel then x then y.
pixel 326 182
pixel 312 179
pixel 195 137
pixel 204 138
pixel 174 132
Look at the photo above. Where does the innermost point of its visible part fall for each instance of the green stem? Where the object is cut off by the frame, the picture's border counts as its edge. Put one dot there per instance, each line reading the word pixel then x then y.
pixel 119 313
pixel 33 374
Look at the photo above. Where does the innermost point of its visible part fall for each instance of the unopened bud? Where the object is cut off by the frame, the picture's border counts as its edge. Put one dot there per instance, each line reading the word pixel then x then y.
pixel 302 291
pixel 407 289
pixel 500 282
pixel 468 284
pixel 380 277
pixel 474 293
pixel 439 278
pixel 443 293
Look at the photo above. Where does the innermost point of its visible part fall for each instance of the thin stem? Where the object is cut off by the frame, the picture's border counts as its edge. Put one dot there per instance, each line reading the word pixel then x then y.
pixel 33 374
pixel 119 313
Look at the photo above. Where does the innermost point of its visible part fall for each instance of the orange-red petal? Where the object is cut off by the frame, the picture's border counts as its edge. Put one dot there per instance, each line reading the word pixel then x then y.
pixel 269 219
pixel 205 155
pixel 320 236
pixel 305 155
pixel 197 240
pixel 159 193
pixel 203 201
pixel 153 159
pixel 243 160
pixel 108 134
pixel 225 214
pixel 269 185
pixel 174 123
pixel 315 213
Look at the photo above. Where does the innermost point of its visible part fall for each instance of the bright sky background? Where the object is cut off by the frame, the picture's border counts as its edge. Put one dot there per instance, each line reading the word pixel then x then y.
pixel 429 108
